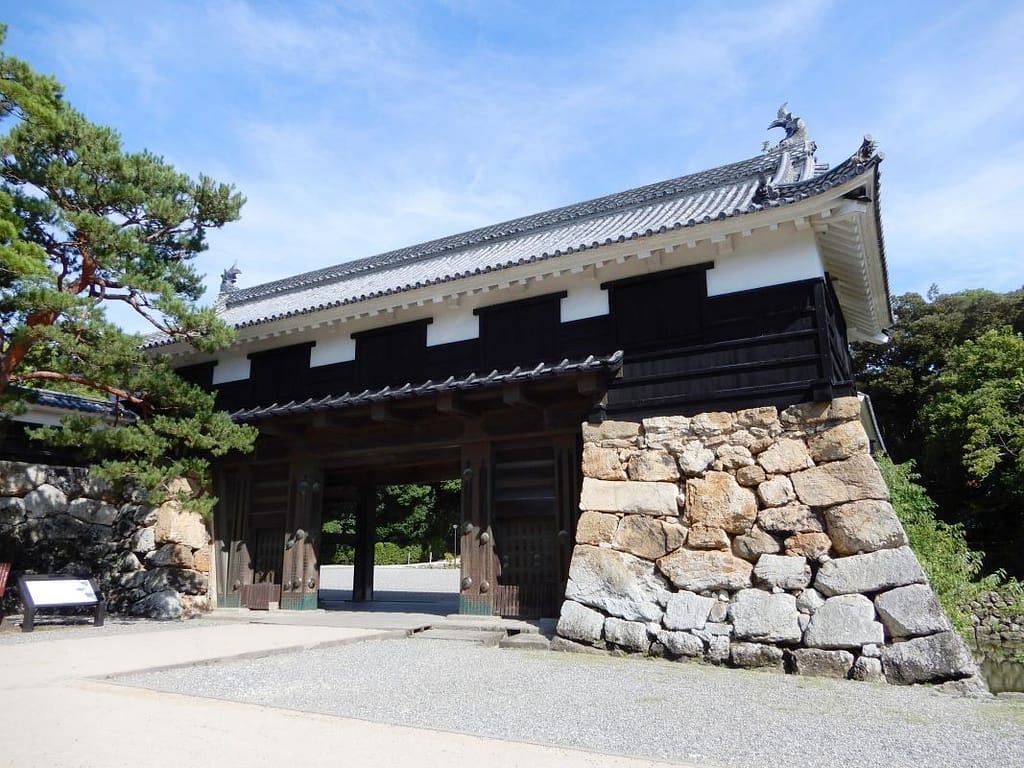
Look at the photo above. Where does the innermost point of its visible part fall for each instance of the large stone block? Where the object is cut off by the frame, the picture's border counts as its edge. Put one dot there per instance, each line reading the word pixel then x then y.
pixel 694 458
pixel 596 528
pixel 785 456
pixel 928 659
pixel 718 501
pixel 776 492
pixel 867 670
pixel 764 417
pixel 666 431
pixel 844 621
pixel 682 643
pixel 756 655
pixel 750 546
pixel 699 570
pixel 612 433
pixel 629 497
pixel 577 622
pixel 12 510
pixel 17 479
pixel 165 604
pixel 864 526
pixel 181 580
pixel 711 423
pixel 732 457
pixel 764 616
pixel 686 610
pixel 792 518
pixel 602 463
pixel 840 482
pixel 45 500
pixel 653 466
pixel 817 414
pixel 642 536
pixel 815 662
pixel 143 540
pixel 869 573
pixel 630 635
pixel 617 583
pixel 839 442
pixel 93 511
pixel 171 554
pixel 811 545
pixel 783 572
pixel 911 611
pixel 703 537
pixel 176 525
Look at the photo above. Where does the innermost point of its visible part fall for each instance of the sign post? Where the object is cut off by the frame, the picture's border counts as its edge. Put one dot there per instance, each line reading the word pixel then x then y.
pixel 59 592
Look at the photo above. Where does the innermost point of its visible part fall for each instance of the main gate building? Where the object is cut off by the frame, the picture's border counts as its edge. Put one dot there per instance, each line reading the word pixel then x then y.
pixel 479 356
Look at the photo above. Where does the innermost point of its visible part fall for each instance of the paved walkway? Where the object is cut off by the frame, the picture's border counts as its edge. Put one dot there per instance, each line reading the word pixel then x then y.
pixel 58 710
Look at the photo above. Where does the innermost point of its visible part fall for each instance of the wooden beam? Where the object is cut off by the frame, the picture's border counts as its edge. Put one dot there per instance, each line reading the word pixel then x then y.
pixel 382 412
pixel 512 394
pixel 446 404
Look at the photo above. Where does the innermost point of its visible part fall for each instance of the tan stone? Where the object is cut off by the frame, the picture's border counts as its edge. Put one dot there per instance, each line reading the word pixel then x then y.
pixel 630 497
pixel 698 570
pixel 675 535
pixel 602 463
pixel 718 501
pixel 839 442
pixel 694 458
pixel 766 416
pixel 201 559
pixel 839 482
pixel 623 433
pixel 642 536
pixel 809 545
pixel 595 528
pixel 175 525
pixel 654 466
pixel 776 492
pixel 750 476
pixel 733 457
pixel 714 423
pixel 864 526
pixel 792 518
pixel 666 431
pixel 816 414
pixel 750 546
pixel 704 537
pixel 786 455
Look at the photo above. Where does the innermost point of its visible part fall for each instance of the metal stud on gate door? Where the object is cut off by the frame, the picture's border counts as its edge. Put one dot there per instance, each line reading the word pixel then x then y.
pixel 467 582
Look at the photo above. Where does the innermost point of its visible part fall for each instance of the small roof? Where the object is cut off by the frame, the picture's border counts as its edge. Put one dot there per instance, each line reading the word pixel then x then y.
pixel 64 403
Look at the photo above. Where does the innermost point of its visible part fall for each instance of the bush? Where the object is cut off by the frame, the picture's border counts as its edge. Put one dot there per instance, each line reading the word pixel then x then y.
pixel 389 553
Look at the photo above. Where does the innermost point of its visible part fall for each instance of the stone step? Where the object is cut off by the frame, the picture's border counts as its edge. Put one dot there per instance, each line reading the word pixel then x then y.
pixel 527 641
pixel 482 637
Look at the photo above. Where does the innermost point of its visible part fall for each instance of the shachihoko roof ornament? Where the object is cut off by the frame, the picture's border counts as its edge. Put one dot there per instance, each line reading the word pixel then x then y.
pixel 795 127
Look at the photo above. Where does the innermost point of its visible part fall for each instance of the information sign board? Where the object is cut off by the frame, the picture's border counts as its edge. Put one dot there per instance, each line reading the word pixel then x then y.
pixel 58 592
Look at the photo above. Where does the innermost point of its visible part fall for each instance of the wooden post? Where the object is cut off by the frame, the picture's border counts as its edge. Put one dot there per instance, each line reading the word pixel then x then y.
pixel 476 589
pixel 366 535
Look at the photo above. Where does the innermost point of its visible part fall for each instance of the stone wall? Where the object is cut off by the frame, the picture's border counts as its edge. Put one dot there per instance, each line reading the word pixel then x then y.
pixel 754 538
pixel 997 619
pixel 148 561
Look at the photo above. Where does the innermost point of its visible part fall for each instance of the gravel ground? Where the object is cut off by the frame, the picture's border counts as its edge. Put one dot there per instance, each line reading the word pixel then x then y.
pixel 51 627
pixel 639 707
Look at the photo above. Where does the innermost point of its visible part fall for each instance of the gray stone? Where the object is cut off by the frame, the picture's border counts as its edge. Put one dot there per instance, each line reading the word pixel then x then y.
pixel 145 514
pixel 815 662
pixel 840 442
pixel 665 431
pixel 17 479
pixel 792 518
pixel 653 466
pixel 577 622
pixel 867 670
pixel 711 423
pixel 12 510
pixel 165 604
pixel 93 511
pixel 763 616
pixel 143 540
pixel 700 570
pixel 681 643
pixel 171 554
pixel 784 572
pixel 719 611
pixel 718 501
pixel 785 456
pixel 750 546
pixel 731 457
pixel 928 659
pixel 694 458
pixel 871 572
pixel 763 416
pixel 840 482
pixel 45 500
pixel 750 476
pixel 872 651
pixel 177 579
pixel 756 655
pixel 864 526
pixel 596 528
pixel 569 646
pixel 629 497
pixel 911 611
pixel 845 621
pixel 809 601
pixel 718 649
pixel 685 610
pixel 615 582
pixel 630 635
pixel 776 492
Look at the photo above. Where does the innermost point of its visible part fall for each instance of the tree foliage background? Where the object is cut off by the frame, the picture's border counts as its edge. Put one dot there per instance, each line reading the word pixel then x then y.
pixel 85 225
pixel 948 391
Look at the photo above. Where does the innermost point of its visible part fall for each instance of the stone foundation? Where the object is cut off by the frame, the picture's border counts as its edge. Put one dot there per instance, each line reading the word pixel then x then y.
pixel 148 561
pixel 757 539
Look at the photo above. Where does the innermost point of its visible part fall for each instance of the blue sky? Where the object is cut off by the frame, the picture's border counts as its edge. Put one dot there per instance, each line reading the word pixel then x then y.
pixel 353 128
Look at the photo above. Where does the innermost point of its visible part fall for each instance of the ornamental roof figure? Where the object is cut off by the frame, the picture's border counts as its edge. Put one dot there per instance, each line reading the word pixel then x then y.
pixel 796 128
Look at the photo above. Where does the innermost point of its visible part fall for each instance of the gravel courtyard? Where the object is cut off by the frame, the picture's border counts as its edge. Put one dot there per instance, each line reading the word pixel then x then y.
pixel 638 707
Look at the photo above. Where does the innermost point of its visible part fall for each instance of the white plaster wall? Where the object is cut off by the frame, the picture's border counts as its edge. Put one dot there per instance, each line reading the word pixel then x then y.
pixel 234 366
pixel 337 348
pixel 766 258
pixel 453 325
pixel 586 299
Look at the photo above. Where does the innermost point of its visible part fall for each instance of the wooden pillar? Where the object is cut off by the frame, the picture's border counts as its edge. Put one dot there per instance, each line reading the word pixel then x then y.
pixel 366 535
pixel 232 559
pixel 476 589
pixel 300 577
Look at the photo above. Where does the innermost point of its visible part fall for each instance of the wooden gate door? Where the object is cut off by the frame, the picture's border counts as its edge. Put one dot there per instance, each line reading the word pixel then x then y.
pixel 535 489
pixel 265 535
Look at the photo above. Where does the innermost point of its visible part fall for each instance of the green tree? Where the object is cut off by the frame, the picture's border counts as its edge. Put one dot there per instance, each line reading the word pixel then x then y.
pixel 85 225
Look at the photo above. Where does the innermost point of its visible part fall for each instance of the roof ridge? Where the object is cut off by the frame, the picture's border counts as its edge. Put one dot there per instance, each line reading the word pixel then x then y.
pixel 689 184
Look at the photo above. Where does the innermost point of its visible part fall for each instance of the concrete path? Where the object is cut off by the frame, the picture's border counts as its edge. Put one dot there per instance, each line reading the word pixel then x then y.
pixel 57 710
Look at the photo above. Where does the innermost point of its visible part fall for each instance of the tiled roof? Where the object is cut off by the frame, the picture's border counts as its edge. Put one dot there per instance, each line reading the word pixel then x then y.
pixel 609 365
pixel 777 178
pixel 48 398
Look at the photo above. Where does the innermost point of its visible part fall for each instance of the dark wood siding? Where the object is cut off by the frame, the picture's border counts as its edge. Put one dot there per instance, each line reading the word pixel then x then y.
pixel 279 375
pixel 391 355
pixel 664 308
pixel 520 332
